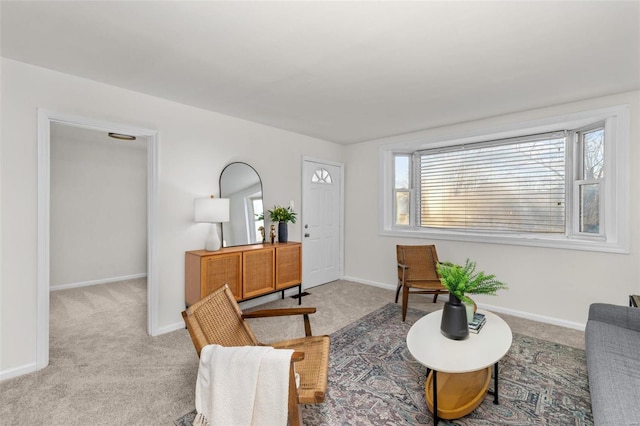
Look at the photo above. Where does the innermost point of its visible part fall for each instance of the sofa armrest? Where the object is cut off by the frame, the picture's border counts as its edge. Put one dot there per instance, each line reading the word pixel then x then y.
pixel 621 316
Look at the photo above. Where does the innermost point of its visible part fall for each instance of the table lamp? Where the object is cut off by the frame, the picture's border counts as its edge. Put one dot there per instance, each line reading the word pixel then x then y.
pixel 211 210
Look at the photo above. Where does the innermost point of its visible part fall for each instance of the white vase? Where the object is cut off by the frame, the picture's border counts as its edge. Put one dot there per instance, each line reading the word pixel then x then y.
pixel 470 311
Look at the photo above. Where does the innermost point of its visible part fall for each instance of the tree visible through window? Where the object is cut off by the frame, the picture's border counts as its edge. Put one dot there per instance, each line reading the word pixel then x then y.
pixel 402 194
pixel 591 173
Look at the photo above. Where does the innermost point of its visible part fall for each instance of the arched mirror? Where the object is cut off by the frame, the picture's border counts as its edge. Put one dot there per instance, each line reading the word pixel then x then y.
pixel 241 184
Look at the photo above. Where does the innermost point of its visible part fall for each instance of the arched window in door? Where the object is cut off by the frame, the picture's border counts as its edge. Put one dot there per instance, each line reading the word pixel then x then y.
pixel 321 175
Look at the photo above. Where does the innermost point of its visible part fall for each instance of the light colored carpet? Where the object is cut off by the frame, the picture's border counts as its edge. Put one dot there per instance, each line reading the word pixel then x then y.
pixel 105 370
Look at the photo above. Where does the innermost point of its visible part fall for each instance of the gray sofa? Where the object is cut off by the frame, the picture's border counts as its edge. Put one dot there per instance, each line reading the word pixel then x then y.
pixel 612 344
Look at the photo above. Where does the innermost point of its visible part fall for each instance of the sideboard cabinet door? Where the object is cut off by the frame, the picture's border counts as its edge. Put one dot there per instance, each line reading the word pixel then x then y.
pixel 288 266
pixel 258 272
pixel 220 270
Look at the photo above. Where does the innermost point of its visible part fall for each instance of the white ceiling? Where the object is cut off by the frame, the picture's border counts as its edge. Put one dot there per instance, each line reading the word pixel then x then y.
pixel 340 71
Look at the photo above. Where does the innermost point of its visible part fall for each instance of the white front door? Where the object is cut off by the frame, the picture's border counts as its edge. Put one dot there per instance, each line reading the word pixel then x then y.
pixel 322 207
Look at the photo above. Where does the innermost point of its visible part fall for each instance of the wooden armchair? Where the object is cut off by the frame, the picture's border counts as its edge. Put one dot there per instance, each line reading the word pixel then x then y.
pixel 217 319
pixel 417 272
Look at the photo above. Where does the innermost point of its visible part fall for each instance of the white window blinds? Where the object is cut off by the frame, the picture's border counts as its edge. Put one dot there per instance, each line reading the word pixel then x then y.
pixel 512 185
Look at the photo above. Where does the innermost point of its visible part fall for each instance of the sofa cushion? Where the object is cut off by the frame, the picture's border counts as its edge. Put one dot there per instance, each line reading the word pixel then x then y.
pixel 613 363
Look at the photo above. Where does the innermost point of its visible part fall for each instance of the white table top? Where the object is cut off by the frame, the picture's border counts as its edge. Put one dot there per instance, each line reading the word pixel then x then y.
pixel 435 351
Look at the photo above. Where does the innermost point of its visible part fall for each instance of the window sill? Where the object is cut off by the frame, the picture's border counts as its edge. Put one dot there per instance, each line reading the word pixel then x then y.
pixel 556 242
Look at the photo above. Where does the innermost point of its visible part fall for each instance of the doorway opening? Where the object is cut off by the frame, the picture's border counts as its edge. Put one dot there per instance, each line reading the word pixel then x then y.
pixel 47 119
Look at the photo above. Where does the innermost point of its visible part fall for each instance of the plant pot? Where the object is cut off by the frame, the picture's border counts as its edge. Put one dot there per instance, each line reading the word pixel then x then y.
pixel 454 323
pixel 283 232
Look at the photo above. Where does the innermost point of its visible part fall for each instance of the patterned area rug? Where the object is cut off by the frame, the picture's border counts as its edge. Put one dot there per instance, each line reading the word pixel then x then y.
pixel 374 380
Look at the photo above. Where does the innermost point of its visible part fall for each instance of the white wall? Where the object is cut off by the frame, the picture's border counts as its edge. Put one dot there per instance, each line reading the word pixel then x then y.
pixel 98 207
pixel 194 147
pixel 549 284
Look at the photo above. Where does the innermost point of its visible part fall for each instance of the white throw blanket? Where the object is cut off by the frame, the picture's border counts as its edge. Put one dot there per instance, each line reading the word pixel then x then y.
pixel 242 386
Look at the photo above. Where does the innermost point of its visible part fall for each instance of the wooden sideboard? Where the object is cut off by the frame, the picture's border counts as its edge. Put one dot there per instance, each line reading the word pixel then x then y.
pixel 250 271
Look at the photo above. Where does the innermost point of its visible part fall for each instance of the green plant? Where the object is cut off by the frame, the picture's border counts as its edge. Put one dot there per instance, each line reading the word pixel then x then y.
pixel 282 214
pixel 461 280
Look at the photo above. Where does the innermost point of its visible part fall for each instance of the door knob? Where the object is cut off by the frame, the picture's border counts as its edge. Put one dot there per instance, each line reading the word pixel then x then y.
pixel 306 235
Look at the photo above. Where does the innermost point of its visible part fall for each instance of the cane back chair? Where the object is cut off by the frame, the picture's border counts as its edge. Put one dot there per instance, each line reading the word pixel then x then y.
pixel 417 273
pixel 217 319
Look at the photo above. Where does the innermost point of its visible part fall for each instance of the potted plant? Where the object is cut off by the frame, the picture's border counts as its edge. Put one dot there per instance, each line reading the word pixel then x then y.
pixel 460 281
pixel 282 215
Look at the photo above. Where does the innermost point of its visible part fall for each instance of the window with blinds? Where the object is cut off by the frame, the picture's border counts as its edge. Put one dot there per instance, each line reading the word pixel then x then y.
pixel 560 181
pixel 512 185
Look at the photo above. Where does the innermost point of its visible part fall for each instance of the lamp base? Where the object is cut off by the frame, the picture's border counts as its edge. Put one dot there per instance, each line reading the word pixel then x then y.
pixel 212 243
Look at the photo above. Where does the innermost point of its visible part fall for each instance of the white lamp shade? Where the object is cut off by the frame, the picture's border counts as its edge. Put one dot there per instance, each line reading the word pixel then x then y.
pixel 211 210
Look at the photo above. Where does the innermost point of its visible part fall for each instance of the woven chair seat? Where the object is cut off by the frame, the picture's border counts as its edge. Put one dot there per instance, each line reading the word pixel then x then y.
pixel 312 371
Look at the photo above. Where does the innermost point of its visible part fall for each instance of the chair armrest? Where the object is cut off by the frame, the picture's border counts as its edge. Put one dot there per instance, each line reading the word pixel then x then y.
pixel 284 312
pixel 278 312
pixel 297 356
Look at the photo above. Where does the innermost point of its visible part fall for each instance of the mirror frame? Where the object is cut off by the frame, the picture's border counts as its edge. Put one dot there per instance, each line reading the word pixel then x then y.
pixel 232 216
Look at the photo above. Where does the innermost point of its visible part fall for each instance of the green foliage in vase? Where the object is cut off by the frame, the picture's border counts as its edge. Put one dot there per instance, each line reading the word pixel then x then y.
pixel 282 214
pixel 462 280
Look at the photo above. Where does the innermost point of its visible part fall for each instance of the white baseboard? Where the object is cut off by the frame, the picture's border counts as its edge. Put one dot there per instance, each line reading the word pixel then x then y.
pixel 534 317
pixel 497 309
pixel 96 282
pixel 169 328
pixel 371 283
pixel 17 371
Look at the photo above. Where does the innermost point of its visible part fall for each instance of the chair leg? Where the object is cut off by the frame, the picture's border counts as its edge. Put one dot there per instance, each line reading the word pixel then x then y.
pixel 435 297
pixel 292 404
pixel 398 291
pixel 405 301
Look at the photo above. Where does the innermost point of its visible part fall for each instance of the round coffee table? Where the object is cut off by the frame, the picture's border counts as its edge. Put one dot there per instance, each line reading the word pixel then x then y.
pixel 459 370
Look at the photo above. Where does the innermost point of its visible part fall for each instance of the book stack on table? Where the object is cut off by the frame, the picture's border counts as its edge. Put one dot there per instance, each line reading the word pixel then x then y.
pixel 478 322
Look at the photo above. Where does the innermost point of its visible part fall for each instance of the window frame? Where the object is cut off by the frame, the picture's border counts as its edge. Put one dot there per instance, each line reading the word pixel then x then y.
pixel 614 186
pixel 579 180
pixel 410 190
